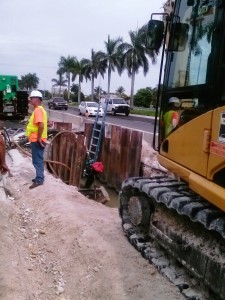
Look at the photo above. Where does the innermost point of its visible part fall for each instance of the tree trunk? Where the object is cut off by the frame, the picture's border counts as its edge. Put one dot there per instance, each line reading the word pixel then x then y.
pixel 79 90
pixel 109 78
pixel 92 87
pixel 68 77
pixel 132 89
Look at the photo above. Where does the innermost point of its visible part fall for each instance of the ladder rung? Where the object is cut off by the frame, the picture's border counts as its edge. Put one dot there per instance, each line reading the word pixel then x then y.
pixel 96 137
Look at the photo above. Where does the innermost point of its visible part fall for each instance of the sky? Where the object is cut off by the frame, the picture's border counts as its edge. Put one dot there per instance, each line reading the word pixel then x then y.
pixel 34 34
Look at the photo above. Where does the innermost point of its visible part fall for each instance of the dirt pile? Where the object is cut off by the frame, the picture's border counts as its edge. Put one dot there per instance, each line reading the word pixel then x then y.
pixel 57 244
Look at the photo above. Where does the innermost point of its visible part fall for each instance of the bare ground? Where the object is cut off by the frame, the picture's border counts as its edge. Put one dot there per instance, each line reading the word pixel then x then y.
pixel 57 244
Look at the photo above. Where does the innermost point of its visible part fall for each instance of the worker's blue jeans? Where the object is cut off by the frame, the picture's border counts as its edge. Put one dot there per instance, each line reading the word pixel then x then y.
pixel 38 161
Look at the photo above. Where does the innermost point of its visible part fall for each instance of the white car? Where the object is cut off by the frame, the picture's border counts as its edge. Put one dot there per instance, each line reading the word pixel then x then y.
pixel 91 108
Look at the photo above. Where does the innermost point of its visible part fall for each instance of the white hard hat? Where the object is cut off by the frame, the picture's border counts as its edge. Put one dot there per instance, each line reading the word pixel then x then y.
pixel 36 94
pixel 174 100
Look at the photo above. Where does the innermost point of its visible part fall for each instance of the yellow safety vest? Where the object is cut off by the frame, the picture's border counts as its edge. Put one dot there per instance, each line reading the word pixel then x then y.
pixel 31 127
pixel 171 119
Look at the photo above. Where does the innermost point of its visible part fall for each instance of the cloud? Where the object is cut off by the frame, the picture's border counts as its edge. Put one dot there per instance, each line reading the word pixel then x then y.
pixel 35 34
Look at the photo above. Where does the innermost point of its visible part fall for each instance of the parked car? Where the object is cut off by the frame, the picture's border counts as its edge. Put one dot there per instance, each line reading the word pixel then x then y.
pixel 58 103
pixel 91 108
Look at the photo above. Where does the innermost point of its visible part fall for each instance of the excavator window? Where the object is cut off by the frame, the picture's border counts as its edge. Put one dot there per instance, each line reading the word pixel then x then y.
pixel 179 32
pixel 187 110
pixel 189 67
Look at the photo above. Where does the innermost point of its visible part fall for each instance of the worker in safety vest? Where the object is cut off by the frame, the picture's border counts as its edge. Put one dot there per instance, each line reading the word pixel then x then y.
pixel 171 117
pixel 36 132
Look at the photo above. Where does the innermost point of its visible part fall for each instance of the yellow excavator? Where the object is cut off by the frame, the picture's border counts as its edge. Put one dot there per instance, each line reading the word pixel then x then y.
pixel 185 213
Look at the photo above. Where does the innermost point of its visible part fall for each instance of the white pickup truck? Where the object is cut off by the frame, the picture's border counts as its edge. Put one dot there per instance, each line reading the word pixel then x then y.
pixel 115 105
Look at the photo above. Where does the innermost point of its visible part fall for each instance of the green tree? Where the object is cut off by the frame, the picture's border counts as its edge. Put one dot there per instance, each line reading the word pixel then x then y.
pixel 65 94
pixel 75 88
pixel 98 91
pixel 29 82
pixel 76 93
pixel 60 81
pixel 80 71
pixel 136 56
pixel 143 97
pixel 120 90
pixel 95 66
pixel 67 65
pixel 154 95
pixel 46 94
pixel 113 57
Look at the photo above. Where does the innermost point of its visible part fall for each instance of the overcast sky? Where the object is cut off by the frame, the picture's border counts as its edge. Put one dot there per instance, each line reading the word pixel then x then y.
pixel 34 34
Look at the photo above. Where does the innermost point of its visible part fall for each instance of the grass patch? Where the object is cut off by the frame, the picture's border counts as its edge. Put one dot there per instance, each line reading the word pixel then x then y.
pixel 74 104
pixel 143 112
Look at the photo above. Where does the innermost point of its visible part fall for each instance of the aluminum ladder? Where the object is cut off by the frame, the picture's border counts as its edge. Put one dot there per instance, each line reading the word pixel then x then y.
pixel 96 137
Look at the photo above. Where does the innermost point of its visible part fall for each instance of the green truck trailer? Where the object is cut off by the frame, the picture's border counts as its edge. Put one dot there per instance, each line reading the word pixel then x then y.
pixel 13 102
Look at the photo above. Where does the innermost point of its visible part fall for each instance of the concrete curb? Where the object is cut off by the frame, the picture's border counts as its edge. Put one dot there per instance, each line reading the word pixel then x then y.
pixel 78 123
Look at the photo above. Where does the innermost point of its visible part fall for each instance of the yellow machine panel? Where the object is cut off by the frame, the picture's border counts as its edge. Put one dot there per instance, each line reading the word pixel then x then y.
pixel 217 145
pixel 186 144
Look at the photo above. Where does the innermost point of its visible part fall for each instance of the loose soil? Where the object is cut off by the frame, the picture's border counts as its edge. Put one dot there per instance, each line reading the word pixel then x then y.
pixel 57 244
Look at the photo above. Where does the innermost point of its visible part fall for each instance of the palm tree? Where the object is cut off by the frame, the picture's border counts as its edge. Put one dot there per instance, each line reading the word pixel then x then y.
pixel 120 90
pixel 113 57
pixel 60 81
pixel 67 65
pixel 98 91
pixel 96 65
pixel 75 88
pixel 136 56
pixel 29 81
pixel 79 70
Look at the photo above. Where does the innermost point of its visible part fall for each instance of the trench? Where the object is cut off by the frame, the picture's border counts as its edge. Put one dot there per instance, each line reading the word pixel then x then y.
pixel 114 198
pixel 112 192
pixel 113 195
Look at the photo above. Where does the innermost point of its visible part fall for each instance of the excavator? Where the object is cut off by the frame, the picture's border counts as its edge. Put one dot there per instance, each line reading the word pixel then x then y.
pixel 184 211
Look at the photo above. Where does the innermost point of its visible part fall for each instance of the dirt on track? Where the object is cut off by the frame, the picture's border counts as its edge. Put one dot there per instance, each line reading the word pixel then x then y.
pixel 57 244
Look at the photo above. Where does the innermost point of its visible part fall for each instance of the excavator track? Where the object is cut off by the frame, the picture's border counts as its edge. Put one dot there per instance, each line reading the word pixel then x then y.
pixel 186 226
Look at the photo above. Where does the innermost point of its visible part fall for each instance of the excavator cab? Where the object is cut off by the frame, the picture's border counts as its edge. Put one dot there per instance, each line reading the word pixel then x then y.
pixel 193 37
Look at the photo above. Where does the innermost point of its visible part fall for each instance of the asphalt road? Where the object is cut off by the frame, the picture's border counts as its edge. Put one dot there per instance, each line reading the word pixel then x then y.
pixel 142 123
